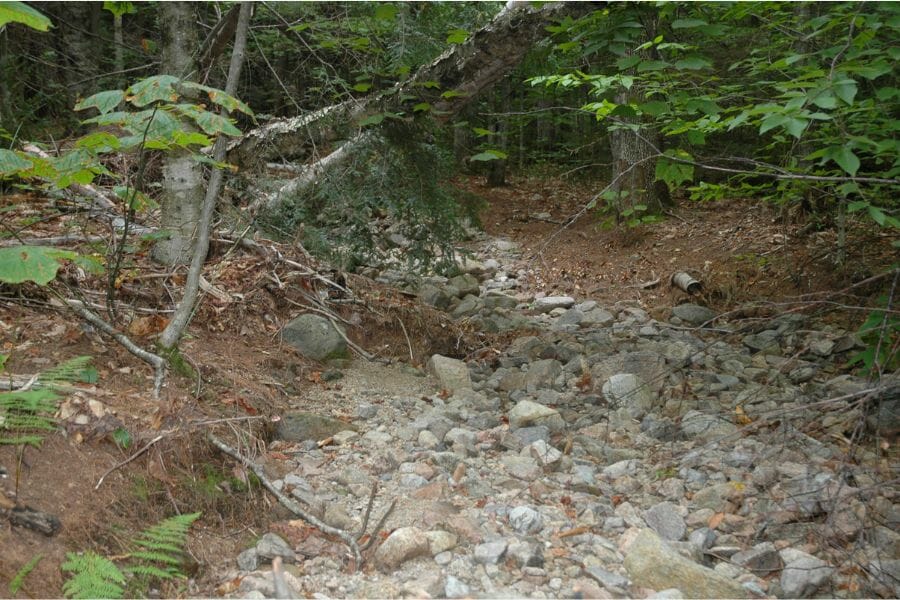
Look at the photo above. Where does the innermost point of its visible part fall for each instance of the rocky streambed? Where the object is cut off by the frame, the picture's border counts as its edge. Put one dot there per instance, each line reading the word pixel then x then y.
pixel 602 454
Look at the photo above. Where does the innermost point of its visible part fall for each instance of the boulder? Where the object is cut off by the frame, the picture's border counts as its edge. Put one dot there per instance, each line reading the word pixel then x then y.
pixel 299 426
pixel 315 337
pixel 452 374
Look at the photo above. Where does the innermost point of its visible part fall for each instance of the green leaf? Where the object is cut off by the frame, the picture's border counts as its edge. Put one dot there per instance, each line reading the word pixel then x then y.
pixel 452 94
pixel 651 65
pixel 771 122
pixel 482 132
pixel 375 119
pixel 122 438
pixel 795 126
pixel 488 155
pixel 119 9
pixel 102 101
pixel 99 141
pixel 825 99
pixel 137 200
pixel 19 12
pixel 627 62
pixel 422 107
pixel 39 264
pixel 457 36
pixel 386 11
pixel 857 206
pixel 217 96
pixel 848 161
pixel 362 87
pixel 214 124
pixel 877 215
pixel 654 108
pixel 845 90
pixel 159 88
pixel 674 173
pixel 692 63
pixel 11 162
pixel 687 23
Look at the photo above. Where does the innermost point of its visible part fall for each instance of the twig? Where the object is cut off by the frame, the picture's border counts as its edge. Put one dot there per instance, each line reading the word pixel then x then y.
pixel 412 359
pixel 287 502
pixel 365 523
pixel 156 361
pixel 130 458
pixel 378 527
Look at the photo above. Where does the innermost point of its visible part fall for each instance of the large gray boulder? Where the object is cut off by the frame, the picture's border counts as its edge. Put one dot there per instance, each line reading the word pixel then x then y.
pixel 652 563
pixel 452 374
pixel 315 337
pixel 299 426
pixel 628 391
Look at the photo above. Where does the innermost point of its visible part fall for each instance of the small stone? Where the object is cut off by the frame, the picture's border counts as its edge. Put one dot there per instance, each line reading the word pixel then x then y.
pixel 693 313
pixel 607 579
pixel 627 390
pixel 440 541
pixel 761 559
pixel 548 303
pixel 402 545
pixel 248 560
pixel 803 573
pixel 664 519
pixel 366 411
pixel 526 554
pixel 489 553
pixel 527 413
pixel 342 438
pixel 428 440
pixel 454 588
pixel 521 467
pixel 525 520
pixel 271 545
pixel 546 455
pixel 452 374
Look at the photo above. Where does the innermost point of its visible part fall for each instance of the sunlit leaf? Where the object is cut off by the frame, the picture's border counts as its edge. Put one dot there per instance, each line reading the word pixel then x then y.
pixel 159 88
pixel 19 12
pixel 10 162
pixel 103 101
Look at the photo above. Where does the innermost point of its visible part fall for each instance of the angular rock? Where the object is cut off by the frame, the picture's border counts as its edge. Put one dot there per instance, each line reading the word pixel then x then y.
pixel 548 303
pixel 627 390
pixel 760 560
pixel 546 455
pixel 299 426
pixel 527 413
pixel 705 427
pixel 441 541
pixel 454 588
pixel 652 563
pixel 521 467
pixel 541 374
pixel 466 284
pixel 248 560
pixel 489 553
pixel 452 374
pixel 607 579
pixel 525 520
pixel 402 545
pixel 271 545
pixel 803 573
pixel 693 313
pixel 664 519
pixel 315 337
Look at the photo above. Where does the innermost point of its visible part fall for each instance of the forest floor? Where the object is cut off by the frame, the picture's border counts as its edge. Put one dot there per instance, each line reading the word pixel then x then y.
pixel 742 253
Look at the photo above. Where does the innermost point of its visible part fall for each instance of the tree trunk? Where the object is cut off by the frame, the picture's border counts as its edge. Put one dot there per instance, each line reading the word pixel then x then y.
pixel 466 69
pixel 182 176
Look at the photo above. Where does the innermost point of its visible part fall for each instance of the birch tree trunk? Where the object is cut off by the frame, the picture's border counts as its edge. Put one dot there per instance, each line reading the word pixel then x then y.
pixel 182 176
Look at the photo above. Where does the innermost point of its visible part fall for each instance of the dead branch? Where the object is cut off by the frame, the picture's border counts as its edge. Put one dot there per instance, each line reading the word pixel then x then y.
pixel 128 460
pixel 156 361
pixel 295 508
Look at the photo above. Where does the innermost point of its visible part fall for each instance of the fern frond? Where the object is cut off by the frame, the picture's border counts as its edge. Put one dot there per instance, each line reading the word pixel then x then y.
pixel 93 577
pixel 163 545
pixel 25 413
pixel 66 371
pixel 22 573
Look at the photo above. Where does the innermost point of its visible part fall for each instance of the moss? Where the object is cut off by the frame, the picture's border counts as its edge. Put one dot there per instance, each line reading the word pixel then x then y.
pixel 177 362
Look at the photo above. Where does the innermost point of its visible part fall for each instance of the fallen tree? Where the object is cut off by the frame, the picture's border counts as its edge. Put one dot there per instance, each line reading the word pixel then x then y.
pixel 445 86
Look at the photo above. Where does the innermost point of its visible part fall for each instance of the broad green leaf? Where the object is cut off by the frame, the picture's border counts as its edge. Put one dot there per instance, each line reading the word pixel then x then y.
pixel 687 23
pixel 190 138
pixel 385 11
pixel 137 200
pixel 99 141
pixel 452 94
pixel 654 108
pixel 489 155
pixel 877 215
pixel 362 87
pixel 771 122
pixel 857 206
pixel 651 65
pixel 457 36
pixel 627 62
pixel 695 137
pixel 845 90
pixel 119 9
pixel 795 126
pixel 10 163
pixel 39 264
pixel 372 120
pixel 848 161
pixel 210 123
pixel 824 99
pixel 482 132
pixel 19 12
pixel 159 88
pixel 103 101
pixel 217 96
pixel 692 63
pixel 674 173
pixel 422 107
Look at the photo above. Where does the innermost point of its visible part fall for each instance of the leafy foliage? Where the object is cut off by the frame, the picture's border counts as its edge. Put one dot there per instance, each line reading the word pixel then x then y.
pixel 19 12
pixel 160 555
pixel 16 583
pixel 26 416
pixel 93 576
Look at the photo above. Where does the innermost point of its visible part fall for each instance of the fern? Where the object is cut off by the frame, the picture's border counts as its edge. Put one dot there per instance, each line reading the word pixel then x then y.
pixel 24 415
pixel 160 556
pixel 73 369
pixel 16 584
pixel 94 577
pixel 162 546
